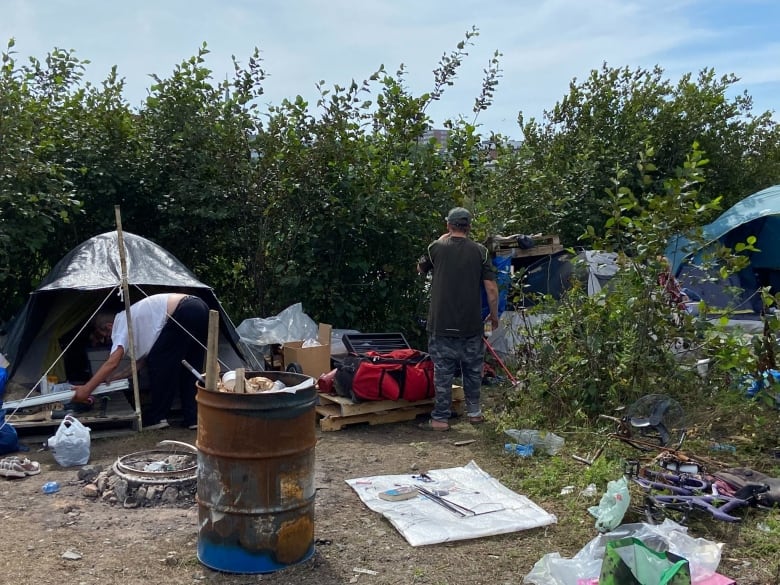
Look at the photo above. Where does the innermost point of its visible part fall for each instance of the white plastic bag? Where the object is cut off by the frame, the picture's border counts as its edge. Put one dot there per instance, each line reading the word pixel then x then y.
pixel 70 443
pixel 703 555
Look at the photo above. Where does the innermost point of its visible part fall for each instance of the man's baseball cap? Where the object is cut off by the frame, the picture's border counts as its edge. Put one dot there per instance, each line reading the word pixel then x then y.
pixel 459 215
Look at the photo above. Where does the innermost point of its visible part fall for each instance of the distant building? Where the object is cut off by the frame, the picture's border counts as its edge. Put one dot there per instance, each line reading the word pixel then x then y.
pixel 441 135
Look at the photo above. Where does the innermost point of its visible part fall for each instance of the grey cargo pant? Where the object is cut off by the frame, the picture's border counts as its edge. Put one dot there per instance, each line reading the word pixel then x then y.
pixel 452 356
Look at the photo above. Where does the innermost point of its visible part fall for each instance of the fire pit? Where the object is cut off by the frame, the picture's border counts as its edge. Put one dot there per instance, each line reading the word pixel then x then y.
pixel 164 476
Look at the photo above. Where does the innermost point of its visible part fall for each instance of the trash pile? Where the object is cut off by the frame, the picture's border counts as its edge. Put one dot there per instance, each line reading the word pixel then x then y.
pixel 528 441
pixel 238 382
pixel 657 553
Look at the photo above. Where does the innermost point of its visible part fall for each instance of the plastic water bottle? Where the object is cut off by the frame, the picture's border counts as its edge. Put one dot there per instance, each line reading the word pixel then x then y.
pixel 520 450
pixel 548 442
pixel 51 487
pixel 724 447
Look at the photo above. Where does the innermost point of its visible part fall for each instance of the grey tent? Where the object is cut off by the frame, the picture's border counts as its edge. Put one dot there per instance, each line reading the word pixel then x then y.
pixel 84 280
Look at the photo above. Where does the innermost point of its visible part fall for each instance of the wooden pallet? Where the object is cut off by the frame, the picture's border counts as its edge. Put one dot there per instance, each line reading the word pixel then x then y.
pixel 336 412
pixel 545 245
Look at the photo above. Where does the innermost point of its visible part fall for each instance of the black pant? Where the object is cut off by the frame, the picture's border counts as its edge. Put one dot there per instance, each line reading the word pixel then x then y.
pixel 167 375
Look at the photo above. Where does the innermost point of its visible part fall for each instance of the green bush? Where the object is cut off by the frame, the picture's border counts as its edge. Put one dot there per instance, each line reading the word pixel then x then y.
pixel 594 353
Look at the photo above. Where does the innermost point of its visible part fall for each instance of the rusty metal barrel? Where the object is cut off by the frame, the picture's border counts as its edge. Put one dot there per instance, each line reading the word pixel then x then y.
pixel 256 476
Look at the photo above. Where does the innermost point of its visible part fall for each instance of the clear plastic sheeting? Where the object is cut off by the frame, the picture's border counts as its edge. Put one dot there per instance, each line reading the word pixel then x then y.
pixel 702 555
pixel 292 324
pixel 474 505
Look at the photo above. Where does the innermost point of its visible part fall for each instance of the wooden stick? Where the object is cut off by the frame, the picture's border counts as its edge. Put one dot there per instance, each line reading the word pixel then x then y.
pixel 212 351
pixel 240 386
pixel 126 294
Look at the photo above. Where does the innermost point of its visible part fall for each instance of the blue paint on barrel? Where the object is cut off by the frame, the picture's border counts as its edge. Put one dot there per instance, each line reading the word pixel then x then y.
pixel 256 476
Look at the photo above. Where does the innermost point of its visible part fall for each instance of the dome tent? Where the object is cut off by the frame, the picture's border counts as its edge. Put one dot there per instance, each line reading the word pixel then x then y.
pixel 555 274
pixel 77 285
pixel 757 215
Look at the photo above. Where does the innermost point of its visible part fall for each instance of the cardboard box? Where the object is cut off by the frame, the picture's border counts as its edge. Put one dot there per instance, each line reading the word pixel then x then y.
pixel 314 361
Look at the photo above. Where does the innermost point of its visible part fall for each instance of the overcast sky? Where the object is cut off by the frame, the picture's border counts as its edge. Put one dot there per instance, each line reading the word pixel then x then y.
pixel 545 43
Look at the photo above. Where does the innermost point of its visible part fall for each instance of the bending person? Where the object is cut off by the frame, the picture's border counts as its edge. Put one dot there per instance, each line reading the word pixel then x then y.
pixel 167 328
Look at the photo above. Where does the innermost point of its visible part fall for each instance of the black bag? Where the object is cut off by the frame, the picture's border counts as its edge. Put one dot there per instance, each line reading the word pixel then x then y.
pixel 748 484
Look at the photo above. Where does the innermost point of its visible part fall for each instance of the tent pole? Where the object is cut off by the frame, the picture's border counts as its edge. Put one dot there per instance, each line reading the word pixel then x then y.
pixel 126 295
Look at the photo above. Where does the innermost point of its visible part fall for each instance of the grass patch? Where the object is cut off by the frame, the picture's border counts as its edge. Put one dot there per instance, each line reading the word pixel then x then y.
pixel 725 419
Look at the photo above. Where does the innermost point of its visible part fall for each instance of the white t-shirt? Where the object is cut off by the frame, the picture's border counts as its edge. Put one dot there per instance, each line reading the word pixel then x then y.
pixel 149 316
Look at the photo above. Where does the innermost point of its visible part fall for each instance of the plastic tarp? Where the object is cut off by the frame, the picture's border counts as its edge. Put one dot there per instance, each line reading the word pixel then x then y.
pixel 422 521
pixel 585 567
pixel 292 324
pixel 601 267
pixel 78 284
pixel 510 333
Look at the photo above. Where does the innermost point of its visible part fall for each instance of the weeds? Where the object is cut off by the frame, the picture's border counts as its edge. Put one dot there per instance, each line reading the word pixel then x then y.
pixel 584 355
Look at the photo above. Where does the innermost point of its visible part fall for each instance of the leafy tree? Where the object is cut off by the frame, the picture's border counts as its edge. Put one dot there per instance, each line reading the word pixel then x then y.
pixel 195 160
pixel 345 201
pixel 331 204
pixel 341 210
pixel 37 196
pixel 597 352
pixel 569 159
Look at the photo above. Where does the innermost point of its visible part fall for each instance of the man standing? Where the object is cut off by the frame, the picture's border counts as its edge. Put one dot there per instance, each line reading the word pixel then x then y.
pixel 460 267
pixel 167 328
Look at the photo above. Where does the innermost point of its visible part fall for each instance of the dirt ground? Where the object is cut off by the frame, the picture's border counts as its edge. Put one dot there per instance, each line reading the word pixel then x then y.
pixel 353 544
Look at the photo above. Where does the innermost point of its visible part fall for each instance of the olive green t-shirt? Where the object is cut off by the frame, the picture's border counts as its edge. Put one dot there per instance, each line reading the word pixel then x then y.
pixel 459 267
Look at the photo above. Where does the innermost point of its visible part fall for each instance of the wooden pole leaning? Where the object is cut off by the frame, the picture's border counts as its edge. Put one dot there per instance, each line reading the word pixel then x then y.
pixel 126 296
pixel 212 352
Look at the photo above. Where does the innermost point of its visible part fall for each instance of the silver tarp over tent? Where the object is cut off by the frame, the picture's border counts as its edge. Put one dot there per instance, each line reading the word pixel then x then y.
pixel 77 285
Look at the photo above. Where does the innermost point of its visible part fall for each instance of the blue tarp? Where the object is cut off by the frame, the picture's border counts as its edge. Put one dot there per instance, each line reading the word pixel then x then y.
pixel 503 265
pixel 9 442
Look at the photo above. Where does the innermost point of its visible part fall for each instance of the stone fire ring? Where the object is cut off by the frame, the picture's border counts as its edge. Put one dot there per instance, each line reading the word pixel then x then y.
pixel 126 468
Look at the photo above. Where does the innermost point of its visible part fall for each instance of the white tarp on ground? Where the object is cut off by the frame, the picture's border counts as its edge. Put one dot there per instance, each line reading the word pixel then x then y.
pixel 421 521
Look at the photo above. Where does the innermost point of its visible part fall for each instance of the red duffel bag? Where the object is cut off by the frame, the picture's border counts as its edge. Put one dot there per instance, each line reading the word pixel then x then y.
pixel 401 374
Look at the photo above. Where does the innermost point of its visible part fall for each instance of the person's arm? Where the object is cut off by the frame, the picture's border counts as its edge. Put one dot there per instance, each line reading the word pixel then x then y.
pixel 85 390
pixel 491 288
pixel 424 264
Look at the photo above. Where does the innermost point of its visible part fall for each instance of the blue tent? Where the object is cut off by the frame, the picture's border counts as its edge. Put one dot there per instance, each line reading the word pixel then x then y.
pixel 757 215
